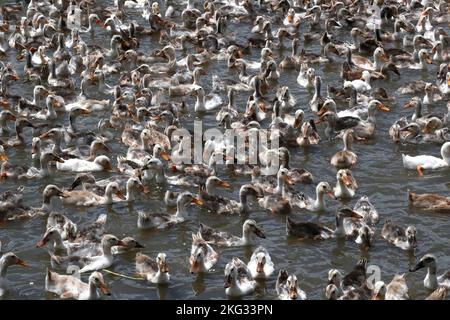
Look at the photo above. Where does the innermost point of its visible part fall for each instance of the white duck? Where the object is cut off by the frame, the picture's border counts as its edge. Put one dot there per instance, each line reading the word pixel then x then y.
pixel 154 271
pixel 260 264
pixel 360 85
pixel 345 185
pixel 7 260
pixel 203 257
pixel 287 287
pixel 317 204
pixel 100 163
pixel 238 279
pixel 425 162
pixel 68 286
pixel 203 103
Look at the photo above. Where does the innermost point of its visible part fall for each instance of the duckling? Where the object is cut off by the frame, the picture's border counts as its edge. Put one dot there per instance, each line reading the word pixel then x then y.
pixel 345 185
pixel 154 271
pixel 7 260
pixel 148 220
pixel 260 264
pixel 345 158
pixel 203 257
pixel 431 281
pixel 405 239
pixel 287 287
pixel 67 286
pixel 238 279
pixel 250 229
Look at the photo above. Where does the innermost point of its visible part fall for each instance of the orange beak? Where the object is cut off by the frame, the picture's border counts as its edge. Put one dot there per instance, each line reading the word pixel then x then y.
pixel 224 184
pixel 41 243
pixel 104 289
pixel 3 157
pixel 408 105
pixel 165 155
pixel 120 243
pixel 197 201
pixel 85 111
pixel 259 267
pixel 15 77
pixel 290 19
pixel 22 263
pixel 262 106
pixel 331 195
pixel 383 108
pixel 164 268
pixel 194 266
pixel 384 58
pixel 347 180
pixel 120 195
pixel 429 61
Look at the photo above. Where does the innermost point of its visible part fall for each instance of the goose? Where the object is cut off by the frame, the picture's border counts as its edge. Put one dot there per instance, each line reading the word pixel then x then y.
pixel 260 264
pixel 287 287
pixel 148 220
pixel 7 260
pixel 203 257
pixel 72 287
pixel 425 162
pixel 431 281
pixel 250 229
pixel 238 279
pixel 154 271
pixel 405 239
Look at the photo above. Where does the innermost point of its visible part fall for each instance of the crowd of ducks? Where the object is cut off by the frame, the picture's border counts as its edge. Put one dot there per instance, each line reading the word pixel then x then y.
pixel 87 98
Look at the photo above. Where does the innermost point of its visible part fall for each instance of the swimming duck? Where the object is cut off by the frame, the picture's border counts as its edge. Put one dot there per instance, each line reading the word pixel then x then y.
pixel 311 230
pixel 71 287
pixel 439 294
pixel 345 185
pixel 148 220
pixel 203 257
pixel 317 100
pixel 250 229
pixel 317 204
pixel 431 281
pixel 345 158
pixel 100 163
pixel 405 239
pixel 424 162
pixel 397 289
pixel 287 287
pixel 89 198
pixel 429 201
pixel 7 260
pixel 367 210
pixel 238 279
pixel 260 264
pixel 306 76
pixel 154 271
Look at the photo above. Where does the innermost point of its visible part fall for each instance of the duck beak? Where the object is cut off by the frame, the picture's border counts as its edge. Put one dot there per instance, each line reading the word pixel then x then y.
pixel 227 282
pixel 3 157
pixel 289 180
pixel 58 159
pixel 384 58
pixel 331 195
pixel 293 294
pixel 41 243
pixel 224 184
pixel 98 22
pixel 22 263
pixel 429 61
pixel 104 289
pixel 260 267
pixel 194 266
pixel 165 155
pixel 347 180
pixel 290 19
pixel 408 105
pixel 120 195
pixel 15 77
pixel 121 243
pixel 197 201
pixel 164 268
pixel 85 111
pixel 262 107
pixel 62 194
pixel 260 233
pixel 356 215
pixel 157 117
pixel 383 108
pixel 138 245
pixel 418 266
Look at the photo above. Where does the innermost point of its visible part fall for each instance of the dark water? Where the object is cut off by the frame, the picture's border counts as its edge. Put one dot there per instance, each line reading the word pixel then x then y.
pixel 379 173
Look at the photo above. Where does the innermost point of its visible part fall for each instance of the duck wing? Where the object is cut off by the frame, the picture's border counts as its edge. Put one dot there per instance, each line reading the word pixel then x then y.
pixel 211 235
pixel 307 230
pixel 145 265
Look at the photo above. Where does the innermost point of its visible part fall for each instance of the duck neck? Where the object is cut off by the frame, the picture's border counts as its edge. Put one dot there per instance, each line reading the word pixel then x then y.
pixel 280 185
pixel 130 193
pixel 72 125
pixel 3 268
pixel 92 288
pixel 46 203
pixel 200 103
pixel 347 144
pixel 243 203
pixel 339 231
pixel 108 197
pixel 181 210
pixel 247 236
pixel 319 203
pixel 107 250
pixel 431 277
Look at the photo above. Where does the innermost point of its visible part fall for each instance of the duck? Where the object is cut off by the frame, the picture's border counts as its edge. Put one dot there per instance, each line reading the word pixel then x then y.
pixel 439 294
pixel 250 230
pixel 92 263
pixel 431 281
pixel 345 185
pixel 204 104
pixel 72 287
pixel 318 204
pixel 367 210
pixel 238 279
pixel 311 230
pixel 425 162
pixel 203 257
pixel 287 287
pixel 317 100
pixel 260 264
pixel 7 260
pixel 44 171
pixel 89 198
pixel 100 163
pixel 403 238
pixel 429 201
pixel 306 76
pixel 154 271
pixel 360 85
pixel 345 158
pixel 397 289
pixel 149 220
